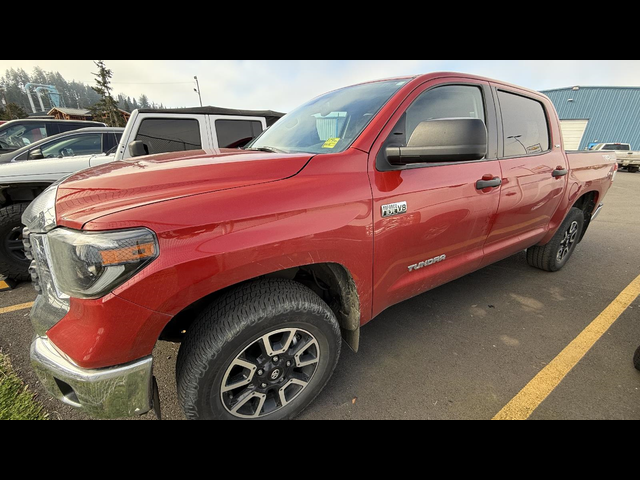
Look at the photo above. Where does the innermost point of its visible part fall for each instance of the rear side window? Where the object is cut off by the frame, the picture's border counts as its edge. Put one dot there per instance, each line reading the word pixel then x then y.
pixel 169 134
pixel 524 125
pixel 236 133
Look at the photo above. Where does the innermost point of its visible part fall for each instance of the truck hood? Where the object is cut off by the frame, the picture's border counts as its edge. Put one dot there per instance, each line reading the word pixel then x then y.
pixel 134 182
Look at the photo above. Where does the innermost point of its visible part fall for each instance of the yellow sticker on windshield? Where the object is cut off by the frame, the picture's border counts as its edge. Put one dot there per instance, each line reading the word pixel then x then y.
pixel 330 143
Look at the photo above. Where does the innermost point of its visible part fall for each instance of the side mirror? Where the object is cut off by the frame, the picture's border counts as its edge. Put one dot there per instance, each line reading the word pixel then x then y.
pixel 442 140
pixel 36 154
pixel 138 148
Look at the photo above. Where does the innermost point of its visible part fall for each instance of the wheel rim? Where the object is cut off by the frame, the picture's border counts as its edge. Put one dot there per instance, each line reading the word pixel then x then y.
pixel 13 244
pixel 568 241
pixel 270 373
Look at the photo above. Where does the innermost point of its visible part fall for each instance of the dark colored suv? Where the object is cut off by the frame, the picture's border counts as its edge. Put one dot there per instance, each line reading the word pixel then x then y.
pixel 20 133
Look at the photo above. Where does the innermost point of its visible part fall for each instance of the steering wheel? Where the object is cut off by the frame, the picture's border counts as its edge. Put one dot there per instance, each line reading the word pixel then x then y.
pixel 66 152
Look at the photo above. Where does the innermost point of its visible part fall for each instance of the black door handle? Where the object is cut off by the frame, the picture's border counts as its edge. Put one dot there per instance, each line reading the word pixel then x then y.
pixel 559 172
pixel 494 182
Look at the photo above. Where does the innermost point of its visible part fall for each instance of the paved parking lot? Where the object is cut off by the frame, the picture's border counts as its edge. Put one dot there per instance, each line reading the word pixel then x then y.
pixel 467 349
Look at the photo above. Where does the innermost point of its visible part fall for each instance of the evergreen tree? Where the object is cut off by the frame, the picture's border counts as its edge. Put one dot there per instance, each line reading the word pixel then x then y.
pixel 106 109
pixel 73 94
pixel 144 101
pixel 12 111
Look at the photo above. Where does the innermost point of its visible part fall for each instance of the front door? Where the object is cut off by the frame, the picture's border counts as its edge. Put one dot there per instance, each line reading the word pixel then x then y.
pixel 430 219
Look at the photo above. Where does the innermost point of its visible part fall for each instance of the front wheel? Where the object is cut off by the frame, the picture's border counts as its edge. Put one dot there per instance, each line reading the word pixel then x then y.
pixel 553 256
pixel 13 262
pixel 263 351
pixel 633 169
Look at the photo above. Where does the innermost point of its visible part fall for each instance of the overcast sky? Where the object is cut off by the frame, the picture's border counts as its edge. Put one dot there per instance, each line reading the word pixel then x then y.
pixel 283 84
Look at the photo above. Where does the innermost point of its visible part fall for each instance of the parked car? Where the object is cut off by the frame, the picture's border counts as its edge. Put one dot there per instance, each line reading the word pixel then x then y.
pixel 262 260
pixel 626 157
pixel 29 170
pixel 78 142
pixel 16 134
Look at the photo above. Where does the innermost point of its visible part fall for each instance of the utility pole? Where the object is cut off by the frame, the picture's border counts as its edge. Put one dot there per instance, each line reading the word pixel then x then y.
pixel 197 90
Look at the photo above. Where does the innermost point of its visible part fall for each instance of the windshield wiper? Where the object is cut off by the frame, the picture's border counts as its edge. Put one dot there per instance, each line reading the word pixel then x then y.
pixel 266 149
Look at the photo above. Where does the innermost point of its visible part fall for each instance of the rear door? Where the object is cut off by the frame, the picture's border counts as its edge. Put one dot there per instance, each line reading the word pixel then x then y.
pixel 439 218
pixel 534 172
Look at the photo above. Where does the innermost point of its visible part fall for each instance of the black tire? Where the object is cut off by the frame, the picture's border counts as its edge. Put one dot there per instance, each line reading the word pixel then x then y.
pixel 13 263
pixel 550 257
pixel 636 358
pixel 232 327
pixel 633 169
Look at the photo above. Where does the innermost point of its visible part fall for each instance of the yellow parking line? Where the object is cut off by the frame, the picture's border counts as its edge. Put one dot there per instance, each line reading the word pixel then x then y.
pixel 13 308
pixel 528 399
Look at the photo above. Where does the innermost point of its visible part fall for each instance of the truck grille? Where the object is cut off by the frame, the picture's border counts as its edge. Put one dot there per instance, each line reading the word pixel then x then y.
pixel 32 268
pixel 50 305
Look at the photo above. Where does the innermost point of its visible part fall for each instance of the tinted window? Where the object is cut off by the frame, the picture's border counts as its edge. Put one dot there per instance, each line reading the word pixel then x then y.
pixel 524 125
pixel 450 101
pixel 236 133
pixel 73 145
pixel 169 135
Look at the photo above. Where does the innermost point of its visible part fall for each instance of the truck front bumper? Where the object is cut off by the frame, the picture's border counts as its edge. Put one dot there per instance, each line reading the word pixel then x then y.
pixel 112 392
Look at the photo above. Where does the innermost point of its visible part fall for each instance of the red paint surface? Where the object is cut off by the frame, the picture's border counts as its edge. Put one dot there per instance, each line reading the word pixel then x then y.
pixel 223 219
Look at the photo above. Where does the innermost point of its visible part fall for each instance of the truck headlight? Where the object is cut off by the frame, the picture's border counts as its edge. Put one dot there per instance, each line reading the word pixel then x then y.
pixel 40 215
pixel 91 264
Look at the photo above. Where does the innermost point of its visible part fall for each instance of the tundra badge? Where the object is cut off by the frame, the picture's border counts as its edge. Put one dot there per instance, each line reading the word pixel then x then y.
pixel 431 261
pixel 394 209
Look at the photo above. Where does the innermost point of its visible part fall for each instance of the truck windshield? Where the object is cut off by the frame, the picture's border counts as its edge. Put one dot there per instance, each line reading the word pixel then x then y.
pixel 328 123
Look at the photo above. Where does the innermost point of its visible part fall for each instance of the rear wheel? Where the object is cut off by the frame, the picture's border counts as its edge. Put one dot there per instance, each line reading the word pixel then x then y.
pixel 13 262
pixel 263 351
pixel 552 256
pixel 633 169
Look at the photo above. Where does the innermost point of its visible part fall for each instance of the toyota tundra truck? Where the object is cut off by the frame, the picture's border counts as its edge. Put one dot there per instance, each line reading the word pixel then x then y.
pixel 262 261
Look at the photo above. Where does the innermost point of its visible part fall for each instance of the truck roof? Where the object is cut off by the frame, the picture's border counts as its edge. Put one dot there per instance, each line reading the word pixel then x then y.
pixel 270 115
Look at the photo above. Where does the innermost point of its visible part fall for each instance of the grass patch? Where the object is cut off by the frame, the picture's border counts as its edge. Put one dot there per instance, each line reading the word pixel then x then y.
pixel 16 401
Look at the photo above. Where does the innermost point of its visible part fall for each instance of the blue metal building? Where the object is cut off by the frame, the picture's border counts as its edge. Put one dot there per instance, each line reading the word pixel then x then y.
pixel 597 114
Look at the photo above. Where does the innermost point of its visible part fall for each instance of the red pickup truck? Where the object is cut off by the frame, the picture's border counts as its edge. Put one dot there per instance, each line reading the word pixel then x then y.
pixel 262 260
